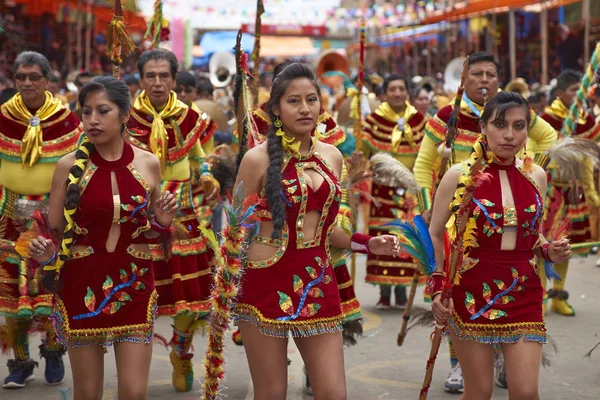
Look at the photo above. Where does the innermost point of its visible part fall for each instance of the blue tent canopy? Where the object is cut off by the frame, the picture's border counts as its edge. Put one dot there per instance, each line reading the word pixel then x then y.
pixel 213 42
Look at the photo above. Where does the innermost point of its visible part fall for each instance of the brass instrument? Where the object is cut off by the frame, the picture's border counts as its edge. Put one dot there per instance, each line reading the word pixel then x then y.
pixel 518 85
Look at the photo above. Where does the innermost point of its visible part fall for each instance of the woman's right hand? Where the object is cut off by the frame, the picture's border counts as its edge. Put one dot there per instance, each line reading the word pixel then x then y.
pixel 41 249
pixel 217 323
pixel 441 313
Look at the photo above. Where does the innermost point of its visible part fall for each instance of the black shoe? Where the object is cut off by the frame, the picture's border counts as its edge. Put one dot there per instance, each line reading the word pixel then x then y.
pixel 20 372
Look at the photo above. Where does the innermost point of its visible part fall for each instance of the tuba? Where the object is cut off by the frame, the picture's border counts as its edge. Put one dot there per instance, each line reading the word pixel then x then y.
pixel 452 74
pixel 221 68
pixel 518 85
pixel 331 60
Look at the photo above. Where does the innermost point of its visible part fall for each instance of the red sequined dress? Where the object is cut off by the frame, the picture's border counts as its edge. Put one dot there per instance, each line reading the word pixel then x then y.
pixel 498 293
pixel 296 290
pixel 108 297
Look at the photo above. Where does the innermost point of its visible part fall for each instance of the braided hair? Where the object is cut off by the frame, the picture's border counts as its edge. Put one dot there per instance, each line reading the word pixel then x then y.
pixel 118 93
pixel 274 185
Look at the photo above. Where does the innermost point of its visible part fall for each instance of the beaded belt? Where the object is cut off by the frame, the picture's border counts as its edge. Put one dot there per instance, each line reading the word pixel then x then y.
pixel 17 206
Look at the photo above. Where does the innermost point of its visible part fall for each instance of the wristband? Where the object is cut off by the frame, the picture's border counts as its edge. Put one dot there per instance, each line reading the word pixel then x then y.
pixel 545 252
pixel 359 243
pixel 159 228
pixel 49 261
pixel 435 283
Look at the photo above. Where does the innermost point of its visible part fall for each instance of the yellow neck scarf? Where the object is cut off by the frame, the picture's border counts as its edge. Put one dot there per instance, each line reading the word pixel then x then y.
pixel 32 143
pixel 559 110
pixel 159 138
pixel 401 122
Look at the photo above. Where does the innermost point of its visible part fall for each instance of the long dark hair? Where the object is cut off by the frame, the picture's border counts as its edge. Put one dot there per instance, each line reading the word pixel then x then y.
pixel 118 93
pixel 274 185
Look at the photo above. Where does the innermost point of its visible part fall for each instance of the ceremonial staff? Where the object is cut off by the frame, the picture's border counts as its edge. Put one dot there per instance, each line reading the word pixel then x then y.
pixel 157 30
pixel 358 118
pixel 118 41
pixel 260 9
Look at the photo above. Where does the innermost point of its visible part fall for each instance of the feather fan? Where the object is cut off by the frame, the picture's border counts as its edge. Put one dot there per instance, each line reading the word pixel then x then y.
pixel 388 171
pixel 562 231
pixel 569 153
pixel 223 162
pixel 415 239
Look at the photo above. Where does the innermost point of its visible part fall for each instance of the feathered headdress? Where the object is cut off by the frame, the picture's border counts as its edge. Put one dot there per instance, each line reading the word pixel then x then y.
pixel 569 153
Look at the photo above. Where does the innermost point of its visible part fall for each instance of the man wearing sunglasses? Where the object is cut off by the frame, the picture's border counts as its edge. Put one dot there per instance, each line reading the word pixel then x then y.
pixel 36 130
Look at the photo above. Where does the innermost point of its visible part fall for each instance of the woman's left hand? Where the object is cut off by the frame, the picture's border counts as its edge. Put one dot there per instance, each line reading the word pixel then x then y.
pixel 560 251
pixel 165 208
pixel 384 245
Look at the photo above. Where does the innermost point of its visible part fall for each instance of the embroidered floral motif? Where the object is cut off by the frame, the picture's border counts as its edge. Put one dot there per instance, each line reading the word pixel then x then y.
pixel 466 265
pixel 110 291
pixel 537 209
pixel 141 204
pixel 503 298
pixel 310 290
pixel 489 227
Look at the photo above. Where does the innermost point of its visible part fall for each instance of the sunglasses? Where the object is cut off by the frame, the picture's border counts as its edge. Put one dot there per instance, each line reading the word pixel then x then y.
pixel 32 77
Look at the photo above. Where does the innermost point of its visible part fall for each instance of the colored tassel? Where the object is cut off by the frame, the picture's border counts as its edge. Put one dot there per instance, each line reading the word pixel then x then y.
pixel 158 27
pixel 118 41
pixel 237 338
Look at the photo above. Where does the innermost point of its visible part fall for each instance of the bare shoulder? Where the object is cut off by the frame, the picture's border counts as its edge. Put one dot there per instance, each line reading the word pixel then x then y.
pixel 145 157
pixel 331 153
pixel 66 162
pixel 256 157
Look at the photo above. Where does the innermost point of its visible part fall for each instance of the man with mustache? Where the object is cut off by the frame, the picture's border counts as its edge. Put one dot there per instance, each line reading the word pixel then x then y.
pixel 562 203
pixel 481 84
pixel 164 125
pixel 36 130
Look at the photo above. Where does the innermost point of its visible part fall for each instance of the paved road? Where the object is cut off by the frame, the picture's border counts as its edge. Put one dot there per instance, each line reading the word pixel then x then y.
pixel 377 368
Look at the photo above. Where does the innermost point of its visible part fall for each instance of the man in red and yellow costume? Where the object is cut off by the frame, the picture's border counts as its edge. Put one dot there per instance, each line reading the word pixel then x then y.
pixel 162 124
pixel 565 201
pixel 395 127
pixel 36 130
pixel 482 77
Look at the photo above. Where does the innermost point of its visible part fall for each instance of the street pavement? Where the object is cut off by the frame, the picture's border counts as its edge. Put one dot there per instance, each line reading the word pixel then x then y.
pixel 376 368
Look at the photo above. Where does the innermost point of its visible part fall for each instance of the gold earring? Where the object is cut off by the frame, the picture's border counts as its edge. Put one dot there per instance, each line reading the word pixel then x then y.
pixel 278 124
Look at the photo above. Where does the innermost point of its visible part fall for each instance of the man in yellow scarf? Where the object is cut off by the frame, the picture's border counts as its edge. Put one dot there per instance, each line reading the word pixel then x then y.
pixel 395 127
pixel 482 73
pixel 36 130
pixel 561 202
pixel 164 125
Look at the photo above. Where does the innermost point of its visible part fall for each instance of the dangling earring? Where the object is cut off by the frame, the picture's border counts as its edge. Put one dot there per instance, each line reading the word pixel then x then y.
pixel 528 162
pixel 289 143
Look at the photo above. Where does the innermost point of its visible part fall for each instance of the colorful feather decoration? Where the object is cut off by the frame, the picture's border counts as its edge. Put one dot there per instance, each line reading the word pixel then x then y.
pixel 241 219
pixel 415 239
pixel 118 41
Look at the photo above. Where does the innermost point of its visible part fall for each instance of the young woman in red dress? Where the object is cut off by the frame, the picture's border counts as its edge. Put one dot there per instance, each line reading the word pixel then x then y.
pixel 497 294
pixel 99 262
pixel 289 285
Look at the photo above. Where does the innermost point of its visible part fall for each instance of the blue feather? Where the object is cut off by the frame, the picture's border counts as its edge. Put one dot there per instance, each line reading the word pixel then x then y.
pixel 550 271
pixel 418 236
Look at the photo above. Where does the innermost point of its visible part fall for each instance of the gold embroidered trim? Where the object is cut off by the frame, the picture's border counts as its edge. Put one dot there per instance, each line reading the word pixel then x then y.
pixel 139 178
pixel 259 264
pixel 345 285
pixel 142 255
pixel 182 277
pixel 86 251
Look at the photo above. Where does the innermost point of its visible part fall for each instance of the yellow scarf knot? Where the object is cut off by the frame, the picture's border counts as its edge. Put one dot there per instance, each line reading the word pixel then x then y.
pixel 289 143
pixel 559 110
pixel 33 141
pixel 159 138
pixel 354 111
pixel 402 126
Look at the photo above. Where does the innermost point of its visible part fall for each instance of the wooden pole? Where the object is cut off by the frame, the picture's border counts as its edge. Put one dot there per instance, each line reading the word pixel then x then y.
pixel 69 41
pixel 429 46
pixel 586 34
pixel 88 35
pixel 260 9
pixel 512 43
pixel 544 35
pixel 78 35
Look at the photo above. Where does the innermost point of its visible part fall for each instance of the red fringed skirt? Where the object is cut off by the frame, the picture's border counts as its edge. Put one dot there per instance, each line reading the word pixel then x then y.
pixel 498 299
pixel 106 298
